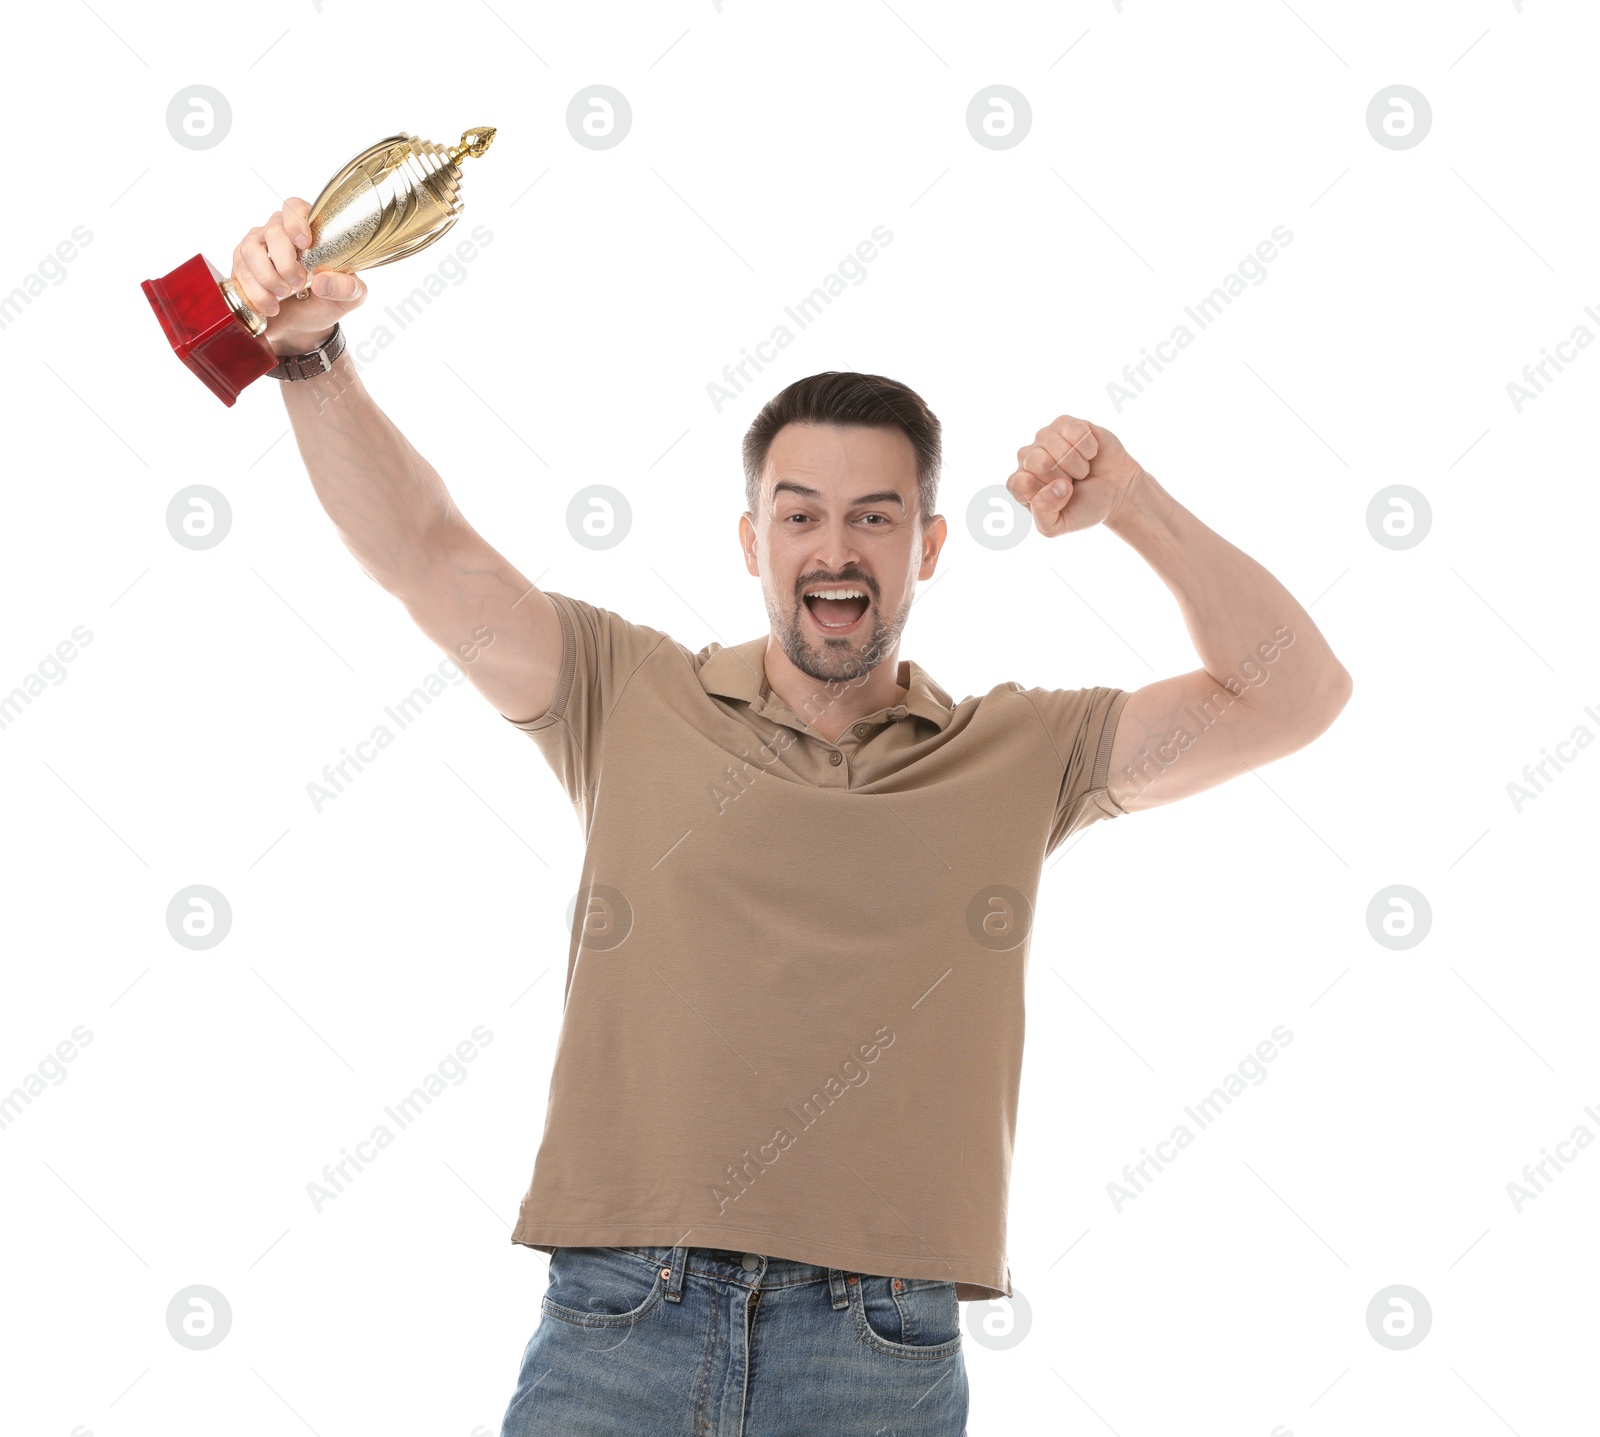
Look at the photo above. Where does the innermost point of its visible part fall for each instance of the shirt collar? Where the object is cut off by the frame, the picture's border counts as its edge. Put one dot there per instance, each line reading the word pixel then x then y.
pixel 739 672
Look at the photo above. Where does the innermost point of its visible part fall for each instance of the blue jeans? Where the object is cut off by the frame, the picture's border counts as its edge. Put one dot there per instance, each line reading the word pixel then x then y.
pixel 706 1342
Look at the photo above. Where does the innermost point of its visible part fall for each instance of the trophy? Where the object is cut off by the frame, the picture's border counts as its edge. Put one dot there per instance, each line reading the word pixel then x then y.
pixel 394 198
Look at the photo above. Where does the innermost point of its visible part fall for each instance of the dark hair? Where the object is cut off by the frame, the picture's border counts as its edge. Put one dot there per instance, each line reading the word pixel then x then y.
pixel 842 397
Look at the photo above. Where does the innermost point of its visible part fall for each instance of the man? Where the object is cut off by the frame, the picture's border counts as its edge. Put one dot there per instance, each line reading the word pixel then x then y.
pixel 779 1130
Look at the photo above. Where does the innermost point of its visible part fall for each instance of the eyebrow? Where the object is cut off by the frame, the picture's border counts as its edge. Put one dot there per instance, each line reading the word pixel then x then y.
pixel 880 496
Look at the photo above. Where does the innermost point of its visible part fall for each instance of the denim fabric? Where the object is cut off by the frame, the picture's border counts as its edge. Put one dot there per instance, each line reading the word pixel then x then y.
pixel 706 1342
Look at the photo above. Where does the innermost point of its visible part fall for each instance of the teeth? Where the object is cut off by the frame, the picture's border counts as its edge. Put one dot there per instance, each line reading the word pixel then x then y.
pixel 834 594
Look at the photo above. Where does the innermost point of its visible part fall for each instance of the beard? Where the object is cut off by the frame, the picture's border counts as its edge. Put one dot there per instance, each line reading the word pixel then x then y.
pixel 838 660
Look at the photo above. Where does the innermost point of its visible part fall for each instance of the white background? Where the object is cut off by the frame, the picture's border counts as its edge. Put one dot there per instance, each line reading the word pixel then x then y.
pixel 367 940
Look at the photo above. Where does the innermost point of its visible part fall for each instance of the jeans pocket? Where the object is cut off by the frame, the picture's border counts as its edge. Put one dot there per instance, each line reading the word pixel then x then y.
pixel 601 1287
pixel 915 1317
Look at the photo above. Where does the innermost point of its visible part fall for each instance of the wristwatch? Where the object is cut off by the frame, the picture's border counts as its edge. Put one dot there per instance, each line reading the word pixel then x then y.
pixel 313 362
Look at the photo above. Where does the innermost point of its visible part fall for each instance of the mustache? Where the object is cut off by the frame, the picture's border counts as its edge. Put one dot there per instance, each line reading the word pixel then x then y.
pixel 853 582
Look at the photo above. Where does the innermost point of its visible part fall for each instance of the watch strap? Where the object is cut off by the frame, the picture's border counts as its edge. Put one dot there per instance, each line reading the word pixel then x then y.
pixel 314 362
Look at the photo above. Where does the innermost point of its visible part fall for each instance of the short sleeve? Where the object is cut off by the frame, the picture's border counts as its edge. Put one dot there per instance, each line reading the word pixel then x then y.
pixel 600 653
pixel 1081 724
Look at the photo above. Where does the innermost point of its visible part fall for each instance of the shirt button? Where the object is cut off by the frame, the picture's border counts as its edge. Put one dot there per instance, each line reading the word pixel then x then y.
pixel 862 730
pixel 836 758
pixel 749 1262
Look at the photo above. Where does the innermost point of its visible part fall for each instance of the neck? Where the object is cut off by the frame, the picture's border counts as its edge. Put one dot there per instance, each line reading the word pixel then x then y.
pixel 830 706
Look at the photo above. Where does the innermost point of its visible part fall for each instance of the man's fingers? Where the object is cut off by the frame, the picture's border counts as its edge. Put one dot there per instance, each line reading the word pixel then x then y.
pixel 1024 486
pixel 1071 444
pixel 1060 454
pixel 1075 434
pixel 297 220
pixel 1052 459
pixel 1039 496
pixel 1073 464
pixel 281 249
pixel 335 284
pixel 1052 498
pixel 256 275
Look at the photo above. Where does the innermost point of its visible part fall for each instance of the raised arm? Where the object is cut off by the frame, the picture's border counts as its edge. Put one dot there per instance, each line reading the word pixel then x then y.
pixel 1269 682
pixel 387 502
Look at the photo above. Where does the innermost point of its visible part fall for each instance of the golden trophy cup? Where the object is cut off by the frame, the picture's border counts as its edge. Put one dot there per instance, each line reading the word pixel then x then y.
pixel 393 199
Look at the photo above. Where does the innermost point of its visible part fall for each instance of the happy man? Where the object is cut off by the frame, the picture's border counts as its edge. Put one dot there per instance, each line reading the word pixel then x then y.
pixel 778 1140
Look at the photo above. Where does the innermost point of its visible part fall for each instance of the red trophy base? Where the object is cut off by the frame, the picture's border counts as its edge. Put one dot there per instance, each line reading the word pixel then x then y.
pixel 204 332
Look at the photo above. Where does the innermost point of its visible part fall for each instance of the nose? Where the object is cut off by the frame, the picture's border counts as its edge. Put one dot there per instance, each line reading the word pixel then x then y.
pixel 834 550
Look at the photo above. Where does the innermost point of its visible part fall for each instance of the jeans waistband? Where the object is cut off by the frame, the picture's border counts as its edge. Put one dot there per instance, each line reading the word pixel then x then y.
pixel 727 1265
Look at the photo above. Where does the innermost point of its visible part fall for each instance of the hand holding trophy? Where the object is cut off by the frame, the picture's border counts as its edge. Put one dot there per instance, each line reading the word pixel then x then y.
pixel 299 309
pixel 393 199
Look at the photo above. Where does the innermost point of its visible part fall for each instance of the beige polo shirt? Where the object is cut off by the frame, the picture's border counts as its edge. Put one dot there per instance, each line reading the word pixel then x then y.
pixel 793 1015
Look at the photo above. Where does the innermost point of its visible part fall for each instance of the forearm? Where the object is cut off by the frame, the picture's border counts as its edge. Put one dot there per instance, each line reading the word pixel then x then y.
pixel 386 501
pixel 1233 607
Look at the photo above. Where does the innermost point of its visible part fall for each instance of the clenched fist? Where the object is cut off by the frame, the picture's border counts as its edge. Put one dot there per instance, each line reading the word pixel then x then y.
pixel 267 269
pixel 1073 475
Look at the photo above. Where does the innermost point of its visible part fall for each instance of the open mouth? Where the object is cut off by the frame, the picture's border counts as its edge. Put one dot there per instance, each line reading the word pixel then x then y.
pixel 836 616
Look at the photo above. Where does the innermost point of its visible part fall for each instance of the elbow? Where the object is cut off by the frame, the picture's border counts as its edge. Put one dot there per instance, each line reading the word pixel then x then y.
pixel 1331 697
pixel 1310 710
pixel 1343 686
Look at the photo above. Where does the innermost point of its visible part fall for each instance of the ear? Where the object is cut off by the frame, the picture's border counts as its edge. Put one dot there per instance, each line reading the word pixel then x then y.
pixel 933 538
pixel 747 542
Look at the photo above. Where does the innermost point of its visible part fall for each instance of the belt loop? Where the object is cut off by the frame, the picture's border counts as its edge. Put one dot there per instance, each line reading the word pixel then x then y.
pixel 836 1284
pixel 680 1260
